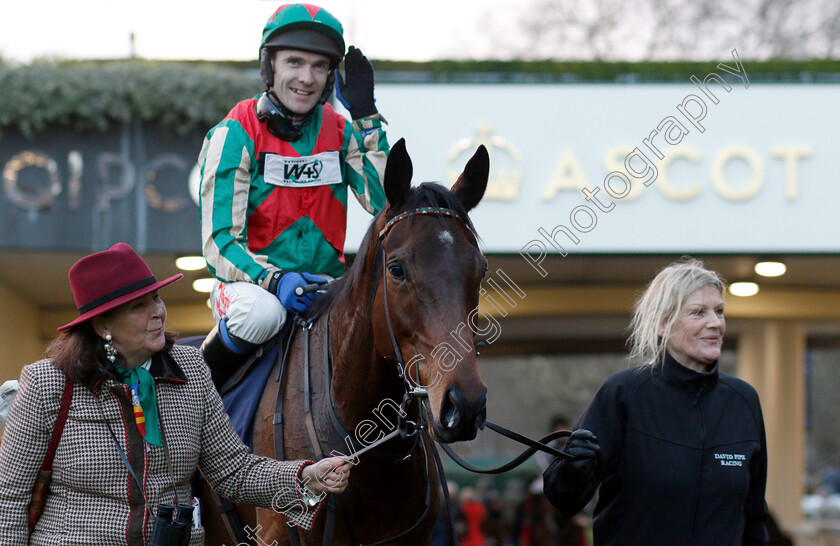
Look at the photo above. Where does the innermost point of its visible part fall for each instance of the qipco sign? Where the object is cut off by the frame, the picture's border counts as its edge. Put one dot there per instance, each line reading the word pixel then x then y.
pixel 42 195
pixel 35 198
pixel 80 191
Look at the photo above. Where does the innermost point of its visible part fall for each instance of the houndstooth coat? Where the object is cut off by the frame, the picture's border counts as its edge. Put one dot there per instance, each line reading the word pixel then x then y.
pixel 92 497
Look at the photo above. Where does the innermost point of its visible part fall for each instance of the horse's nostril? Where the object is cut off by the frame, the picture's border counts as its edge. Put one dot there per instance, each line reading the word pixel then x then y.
pixel 450 414
pixel 450 419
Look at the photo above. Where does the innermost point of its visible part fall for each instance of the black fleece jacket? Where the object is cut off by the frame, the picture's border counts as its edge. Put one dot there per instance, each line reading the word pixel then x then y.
pixel 683 460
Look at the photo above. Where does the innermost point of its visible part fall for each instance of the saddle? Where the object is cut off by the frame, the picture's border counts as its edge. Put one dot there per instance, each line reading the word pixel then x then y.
pixel 239 388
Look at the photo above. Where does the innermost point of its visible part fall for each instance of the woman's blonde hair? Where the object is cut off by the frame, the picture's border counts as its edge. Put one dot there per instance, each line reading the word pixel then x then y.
pixel 660 304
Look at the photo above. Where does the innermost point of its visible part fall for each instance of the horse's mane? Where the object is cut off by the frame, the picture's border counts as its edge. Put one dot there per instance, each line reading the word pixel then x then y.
pixel 427 194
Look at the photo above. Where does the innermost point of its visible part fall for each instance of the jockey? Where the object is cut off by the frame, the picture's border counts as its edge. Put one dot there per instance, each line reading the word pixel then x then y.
pixel 274 180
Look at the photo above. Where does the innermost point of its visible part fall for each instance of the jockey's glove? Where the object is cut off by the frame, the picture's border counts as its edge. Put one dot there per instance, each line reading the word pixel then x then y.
pixel 284 289
pixel 356 92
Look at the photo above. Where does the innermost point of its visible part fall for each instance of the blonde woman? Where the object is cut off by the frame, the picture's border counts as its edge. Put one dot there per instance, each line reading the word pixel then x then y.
pixel 677 448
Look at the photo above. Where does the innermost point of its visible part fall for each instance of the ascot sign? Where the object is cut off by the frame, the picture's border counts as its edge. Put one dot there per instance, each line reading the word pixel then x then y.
pixel 745 174
pixel 562 158
pixel 569 175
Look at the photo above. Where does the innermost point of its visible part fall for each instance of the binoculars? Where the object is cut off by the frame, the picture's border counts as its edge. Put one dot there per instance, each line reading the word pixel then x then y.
pixel 172 528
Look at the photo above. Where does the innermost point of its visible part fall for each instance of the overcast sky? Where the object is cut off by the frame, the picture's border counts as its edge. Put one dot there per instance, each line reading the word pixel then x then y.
pixel 230 29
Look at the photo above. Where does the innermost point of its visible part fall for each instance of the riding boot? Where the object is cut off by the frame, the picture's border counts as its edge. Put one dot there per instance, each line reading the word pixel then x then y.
pixel 225 353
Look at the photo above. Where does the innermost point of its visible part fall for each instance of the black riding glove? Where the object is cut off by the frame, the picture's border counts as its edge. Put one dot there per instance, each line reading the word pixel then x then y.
pixel 583 446
pixel 356 93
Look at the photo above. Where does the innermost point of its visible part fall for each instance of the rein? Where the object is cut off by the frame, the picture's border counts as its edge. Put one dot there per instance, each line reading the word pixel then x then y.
pixel 421 395
pixel 405 427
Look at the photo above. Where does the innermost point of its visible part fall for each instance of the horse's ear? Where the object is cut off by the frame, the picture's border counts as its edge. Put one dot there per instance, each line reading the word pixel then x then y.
pixel 470 186
pixel 398 172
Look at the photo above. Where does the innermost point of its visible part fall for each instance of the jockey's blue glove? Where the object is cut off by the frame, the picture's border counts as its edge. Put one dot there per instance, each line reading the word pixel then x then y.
pixel 356 92
pixel 285 290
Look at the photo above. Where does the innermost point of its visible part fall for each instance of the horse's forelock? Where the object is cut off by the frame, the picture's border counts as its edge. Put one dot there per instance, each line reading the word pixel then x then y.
pixel 427 194
pixel 432 194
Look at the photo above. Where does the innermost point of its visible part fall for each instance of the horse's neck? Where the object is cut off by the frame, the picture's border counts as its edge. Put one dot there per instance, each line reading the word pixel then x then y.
pixel 361 379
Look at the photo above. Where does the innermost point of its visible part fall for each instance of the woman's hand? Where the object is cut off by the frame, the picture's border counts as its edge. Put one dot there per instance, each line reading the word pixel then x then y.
pixel 327 475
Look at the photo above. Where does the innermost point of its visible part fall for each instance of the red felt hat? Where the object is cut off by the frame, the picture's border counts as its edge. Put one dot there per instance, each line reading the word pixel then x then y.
pixel 108 279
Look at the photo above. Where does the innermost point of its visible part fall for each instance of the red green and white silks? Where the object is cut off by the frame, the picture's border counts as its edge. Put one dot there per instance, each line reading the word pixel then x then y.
pixel 268 203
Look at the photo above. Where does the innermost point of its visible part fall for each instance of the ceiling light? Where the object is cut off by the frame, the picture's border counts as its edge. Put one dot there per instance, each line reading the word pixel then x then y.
pixel 203 285
pixel 190 263
pixel 770 269
pixel 743 289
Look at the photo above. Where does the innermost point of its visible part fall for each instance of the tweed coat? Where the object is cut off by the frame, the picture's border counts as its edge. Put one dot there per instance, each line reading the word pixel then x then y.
pixel 92 497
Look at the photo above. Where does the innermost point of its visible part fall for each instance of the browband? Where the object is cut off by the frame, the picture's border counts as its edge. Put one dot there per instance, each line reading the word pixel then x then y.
pixel 422 210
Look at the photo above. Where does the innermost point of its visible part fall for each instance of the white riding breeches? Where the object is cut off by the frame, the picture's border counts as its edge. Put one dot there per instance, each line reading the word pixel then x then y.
pixel 252 312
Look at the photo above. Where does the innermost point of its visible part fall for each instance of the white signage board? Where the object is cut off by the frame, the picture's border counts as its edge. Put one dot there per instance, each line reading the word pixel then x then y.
pixel 759 177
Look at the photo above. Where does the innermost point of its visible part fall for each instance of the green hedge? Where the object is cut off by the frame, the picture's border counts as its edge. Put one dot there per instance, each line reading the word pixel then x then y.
pixel 185 96
pixel 618 71
pixel 94 95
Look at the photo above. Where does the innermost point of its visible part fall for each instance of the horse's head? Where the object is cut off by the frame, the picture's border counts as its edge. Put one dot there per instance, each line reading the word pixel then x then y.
pixel 430 271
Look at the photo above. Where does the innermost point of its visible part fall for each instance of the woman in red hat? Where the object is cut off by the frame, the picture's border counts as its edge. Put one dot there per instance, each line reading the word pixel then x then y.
pixel 139 415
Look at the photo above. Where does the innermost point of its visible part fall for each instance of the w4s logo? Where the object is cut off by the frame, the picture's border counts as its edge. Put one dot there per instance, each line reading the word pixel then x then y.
pixel 302 172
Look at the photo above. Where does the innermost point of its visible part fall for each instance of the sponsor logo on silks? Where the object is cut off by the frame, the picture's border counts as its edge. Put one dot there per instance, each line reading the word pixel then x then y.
pixel 139 416
pixel 730 459
pixel 302 172
pixel 314 170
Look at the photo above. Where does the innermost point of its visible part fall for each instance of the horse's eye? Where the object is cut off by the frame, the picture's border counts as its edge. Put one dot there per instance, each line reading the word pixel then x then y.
pixel 484 273
pixel 396 271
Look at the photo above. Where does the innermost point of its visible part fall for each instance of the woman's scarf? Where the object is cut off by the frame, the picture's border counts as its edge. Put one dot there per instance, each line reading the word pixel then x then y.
pixel 142 386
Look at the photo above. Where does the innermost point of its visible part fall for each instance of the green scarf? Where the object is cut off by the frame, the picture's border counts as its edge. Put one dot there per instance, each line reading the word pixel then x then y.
pixel 142 386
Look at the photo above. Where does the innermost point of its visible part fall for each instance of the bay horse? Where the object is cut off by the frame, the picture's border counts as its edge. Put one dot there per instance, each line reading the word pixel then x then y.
pixel 411 292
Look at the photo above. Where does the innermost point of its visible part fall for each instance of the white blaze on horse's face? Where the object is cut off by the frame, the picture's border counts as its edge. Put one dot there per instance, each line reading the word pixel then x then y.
pixel 433 278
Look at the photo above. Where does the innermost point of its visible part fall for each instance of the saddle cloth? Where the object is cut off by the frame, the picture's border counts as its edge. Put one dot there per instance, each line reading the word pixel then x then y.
pixel 241 401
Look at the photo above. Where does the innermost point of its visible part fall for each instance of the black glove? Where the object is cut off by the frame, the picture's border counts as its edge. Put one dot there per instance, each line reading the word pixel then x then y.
pixel 356 93
pixel 583 446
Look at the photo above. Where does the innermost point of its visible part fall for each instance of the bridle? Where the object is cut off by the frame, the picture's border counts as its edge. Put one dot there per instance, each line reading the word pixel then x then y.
pixel 413 394
pixel 414 391
pixel 419 394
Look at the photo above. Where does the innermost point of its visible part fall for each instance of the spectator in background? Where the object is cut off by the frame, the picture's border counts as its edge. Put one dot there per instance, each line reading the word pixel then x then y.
pixel 8 390
pixel 442 531
pixel 537 523
pixel 496 526
pixel 474 516
pixel 677 448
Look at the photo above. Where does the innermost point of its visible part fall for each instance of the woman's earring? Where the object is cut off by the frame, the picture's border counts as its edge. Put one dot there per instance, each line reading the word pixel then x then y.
pixel 110 352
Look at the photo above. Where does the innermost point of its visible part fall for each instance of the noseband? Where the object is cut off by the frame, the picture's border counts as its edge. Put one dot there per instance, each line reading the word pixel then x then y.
pixel 417 393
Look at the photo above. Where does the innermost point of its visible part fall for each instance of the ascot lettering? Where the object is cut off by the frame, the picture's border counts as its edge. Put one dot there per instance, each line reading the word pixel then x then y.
pixel 631 170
